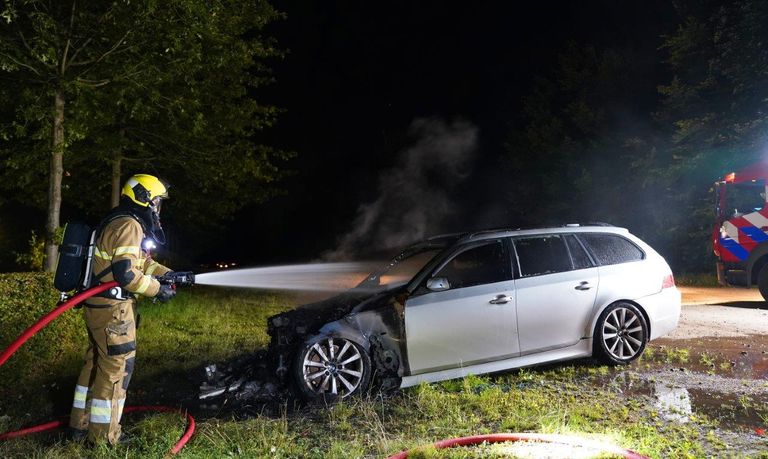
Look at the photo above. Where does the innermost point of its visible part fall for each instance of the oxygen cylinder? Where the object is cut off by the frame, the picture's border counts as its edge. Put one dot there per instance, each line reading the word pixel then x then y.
pixel 73 267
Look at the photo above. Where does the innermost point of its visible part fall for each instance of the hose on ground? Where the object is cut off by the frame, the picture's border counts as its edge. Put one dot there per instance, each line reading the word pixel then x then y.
pixel 533 437
pixel 53 425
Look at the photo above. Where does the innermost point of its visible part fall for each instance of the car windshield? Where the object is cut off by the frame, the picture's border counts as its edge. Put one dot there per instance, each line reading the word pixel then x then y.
pixel 744 198
pixel 403 267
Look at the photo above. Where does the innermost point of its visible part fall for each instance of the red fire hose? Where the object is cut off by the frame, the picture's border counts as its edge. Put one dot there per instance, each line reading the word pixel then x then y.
pixel 45 320
pixel 53 425
pixel 544 438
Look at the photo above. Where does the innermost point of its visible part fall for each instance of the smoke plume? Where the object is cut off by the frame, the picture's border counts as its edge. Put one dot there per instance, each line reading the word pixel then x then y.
pixel 413 196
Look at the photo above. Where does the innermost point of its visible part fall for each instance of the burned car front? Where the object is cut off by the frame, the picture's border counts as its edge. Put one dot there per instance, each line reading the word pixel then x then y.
pixel 339 346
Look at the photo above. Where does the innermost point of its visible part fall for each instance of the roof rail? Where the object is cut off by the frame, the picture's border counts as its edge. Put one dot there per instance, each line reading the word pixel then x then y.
pixel 477 233
pixel 474 234
pixel 446 235
pixel 576 225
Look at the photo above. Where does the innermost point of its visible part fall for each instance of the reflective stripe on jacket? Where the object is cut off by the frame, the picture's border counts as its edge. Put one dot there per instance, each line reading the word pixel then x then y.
pixel 119 256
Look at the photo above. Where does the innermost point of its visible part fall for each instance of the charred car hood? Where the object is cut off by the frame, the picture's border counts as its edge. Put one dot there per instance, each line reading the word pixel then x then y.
pixel 309 318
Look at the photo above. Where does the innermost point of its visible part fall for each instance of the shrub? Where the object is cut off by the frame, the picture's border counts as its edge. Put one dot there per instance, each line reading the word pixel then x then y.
pixel 33 259
pixel 24 299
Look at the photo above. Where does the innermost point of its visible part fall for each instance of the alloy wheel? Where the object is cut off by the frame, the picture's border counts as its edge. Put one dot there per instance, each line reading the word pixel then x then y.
pixel 333 366
pixel 623 333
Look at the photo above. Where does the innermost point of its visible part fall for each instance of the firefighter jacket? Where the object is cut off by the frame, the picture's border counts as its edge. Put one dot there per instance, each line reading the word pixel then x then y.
pixel 118 256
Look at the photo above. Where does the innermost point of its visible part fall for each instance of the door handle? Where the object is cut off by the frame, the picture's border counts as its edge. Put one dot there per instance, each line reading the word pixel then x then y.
pixel 583 285
pixel 501 299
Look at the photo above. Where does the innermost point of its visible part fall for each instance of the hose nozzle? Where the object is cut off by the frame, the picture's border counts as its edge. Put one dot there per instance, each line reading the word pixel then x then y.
pixel 179 278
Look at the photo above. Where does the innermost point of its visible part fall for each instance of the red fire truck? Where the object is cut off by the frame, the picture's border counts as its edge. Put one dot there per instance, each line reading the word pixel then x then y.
pixel 740 235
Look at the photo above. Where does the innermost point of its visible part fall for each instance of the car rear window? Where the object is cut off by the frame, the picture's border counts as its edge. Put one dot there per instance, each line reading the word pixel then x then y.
pixel 611 249
pixel 542 255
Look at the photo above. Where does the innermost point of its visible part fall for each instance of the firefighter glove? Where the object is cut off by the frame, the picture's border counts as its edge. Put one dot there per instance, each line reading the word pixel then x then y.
pixel 165 293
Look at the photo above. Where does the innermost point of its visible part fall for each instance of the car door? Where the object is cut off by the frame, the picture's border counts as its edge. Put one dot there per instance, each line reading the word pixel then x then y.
pixel 556 288
pixel 472 320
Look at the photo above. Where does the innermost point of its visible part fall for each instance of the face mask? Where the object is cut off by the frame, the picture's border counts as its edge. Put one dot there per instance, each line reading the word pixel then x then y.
pixel 157 229
pixel 156 204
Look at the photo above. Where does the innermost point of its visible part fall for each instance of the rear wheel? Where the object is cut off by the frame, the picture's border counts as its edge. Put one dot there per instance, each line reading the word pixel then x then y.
pixel 762 281
pixel 331 368
pixel 621 334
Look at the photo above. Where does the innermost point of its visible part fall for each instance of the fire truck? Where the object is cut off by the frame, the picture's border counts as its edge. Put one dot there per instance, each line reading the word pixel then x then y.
pixel 740 234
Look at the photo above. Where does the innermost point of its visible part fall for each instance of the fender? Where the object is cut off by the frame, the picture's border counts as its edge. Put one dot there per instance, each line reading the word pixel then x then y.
pixel 593 323
pixel 369 330
pixel 343 329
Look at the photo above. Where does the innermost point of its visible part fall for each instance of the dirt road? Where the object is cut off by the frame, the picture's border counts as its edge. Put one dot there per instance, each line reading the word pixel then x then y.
pixel 721 312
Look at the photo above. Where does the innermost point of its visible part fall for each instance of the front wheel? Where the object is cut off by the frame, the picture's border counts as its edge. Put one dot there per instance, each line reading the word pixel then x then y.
pixel 621 334
pixel 331 368
pixel 762 281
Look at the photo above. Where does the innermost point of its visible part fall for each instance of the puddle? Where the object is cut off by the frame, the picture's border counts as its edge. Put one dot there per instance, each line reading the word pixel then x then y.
pixel 679 394
pixel 673 403
pixel 731 410
pixel 736 357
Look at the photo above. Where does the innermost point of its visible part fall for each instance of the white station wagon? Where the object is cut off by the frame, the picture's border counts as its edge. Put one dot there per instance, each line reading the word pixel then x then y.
pixel 477 303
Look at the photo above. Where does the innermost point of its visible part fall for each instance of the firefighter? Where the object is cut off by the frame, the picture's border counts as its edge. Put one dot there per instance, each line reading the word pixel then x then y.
pixel 120 254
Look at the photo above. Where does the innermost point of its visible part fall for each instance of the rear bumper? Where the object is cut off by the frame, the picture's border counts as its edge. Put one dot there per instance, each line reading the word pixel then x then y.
pixel 663 311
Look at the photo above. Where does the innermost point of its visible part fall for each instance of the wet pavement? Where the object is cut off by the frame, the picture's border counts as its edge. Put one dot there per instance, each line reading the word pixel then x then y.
pixel 717 384
pixel 725 379
pixel 677 394
pixel 713 367
pixel 737 357
pixel 711 371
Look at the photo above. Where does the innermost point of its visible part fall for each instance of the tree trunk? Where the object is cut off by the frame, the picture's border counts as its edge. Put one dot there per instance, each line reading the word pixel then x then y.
pixel 54 189
pixel 117 162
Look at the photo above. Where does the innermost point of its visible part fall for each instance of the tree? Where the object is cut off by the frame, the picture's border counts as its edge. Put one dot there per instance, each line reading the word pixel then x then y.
pixel 165 87
pixel 53 51
pixel 578 130
pixel 715 101
pixel 714 110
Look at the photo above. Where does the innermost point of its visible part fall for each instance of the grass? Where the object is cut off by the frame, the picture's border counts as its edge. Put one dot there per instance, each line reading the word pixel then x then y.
pixel 696 280
pixel 207 325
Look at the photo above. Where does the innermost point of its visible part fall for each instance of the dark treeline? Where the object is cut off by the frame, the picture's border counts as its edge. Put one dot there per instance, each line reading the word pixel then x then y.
pixel 583 151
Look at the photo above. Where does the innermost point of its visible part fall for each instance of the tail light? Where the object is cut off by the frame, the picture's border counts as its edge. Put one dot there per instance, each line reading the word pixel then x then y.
pixel 668 281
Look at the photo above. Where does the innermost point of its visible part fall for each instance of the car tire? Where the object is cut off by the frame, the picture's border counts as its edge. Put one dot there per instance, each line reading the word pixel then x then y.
pixel 331 368
pixel 762 281
pixel 621 334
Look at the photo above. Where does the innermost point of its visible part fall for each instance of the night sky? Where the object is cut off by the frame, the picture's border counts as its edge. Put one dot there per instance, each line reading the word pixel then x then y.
pixel 357 74
pixel 356 78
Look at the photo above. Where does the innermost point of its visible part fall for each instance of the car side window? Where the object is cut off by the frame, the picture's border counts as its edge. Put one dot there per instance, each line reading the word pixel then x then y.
pixel 485 264
pixel 611 249
pixel 578 254
pixel 542 255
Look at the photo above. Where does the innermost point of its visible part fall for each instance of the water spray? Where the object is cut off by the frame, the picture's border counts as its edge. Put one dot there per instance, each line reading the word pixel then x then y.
pixel 325 277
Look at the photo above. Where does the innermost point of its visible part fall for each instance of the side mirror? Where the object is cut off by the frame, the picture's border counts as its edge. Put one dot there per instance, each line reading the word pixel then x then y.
pixel 438 284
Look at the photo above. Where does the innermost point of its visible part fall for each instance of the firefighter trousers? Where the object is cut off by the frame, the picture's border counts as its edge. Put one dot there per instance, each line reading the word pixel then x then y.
pixel 101 388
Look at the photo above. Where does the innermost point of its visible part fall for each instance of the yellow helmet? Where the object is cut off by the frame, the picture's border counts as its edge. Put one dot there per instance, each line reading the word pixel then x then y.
pixel 145 190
